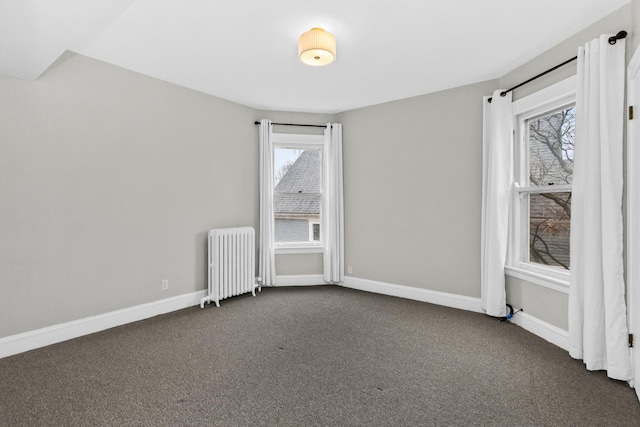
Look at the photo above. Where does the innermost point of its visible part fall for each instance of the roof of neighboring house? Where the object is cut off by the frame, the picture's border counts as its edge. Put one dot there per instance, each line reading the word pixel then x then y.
pixel 302 177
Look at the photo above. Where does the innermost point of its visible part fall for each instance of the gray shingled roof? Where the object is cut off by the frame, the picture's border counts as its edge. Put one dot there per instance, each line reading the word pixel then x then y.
pixel 302 177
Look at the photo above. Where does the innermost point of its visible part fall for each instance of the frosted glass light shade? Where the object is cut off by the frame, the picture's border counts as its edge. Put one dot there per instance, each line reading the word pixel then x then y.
pixel 317 47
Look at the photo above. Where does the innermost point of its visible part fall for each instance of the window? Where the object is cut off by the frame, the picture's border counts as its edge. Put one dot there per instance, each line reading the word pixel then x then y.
pixel 541 222
pixel 298 171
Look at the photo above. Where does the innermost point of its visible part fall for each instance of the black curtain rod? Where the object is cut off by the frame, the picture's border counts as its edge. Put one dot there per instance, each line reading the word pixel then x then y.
pixel 294 124
pixel 612 41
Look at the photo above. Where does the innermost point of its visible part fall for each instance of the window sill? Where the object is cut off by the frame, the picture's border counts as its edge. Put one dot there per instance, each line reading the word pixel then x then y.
pixel 556 284
pixel 285 250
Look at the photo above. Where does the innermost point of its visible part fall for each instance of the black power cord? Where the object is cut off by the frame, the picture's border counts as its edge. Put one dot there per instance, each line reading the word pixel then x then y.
pixel 510 313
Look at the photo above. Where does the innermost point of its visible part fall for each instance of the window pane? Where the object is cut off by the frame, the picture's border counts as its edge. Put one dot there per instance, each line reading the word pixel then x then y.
pixel 297 218
pixel 291 230
pixel 550 139
pixel 549 227
pixel 296 170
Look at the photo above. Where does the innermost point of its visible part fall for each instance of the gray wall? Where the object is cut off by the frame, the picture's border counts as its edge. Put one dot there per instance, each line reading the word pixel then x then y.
pixel 109 181
pixel 412 176
pixel 540 302
pixel 299 264
pixel 546 304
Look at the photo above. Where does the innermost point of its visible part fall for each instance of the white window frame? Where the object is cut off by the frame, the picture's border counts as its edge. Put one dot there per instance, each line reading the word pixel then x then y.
pixel 553 97
pixel 302 142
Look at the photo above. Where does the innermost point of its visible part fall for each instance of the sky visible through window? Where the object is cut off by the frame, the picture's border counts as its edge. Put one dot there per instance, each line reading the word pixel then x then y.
pixel 281 158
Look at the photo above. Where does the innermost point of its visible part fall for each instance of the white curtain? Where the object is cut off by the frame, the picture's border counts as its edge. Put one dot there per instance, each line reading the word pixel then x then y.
pixel 267 260
pixel 332 208
pixel 497 178
pixel 597 310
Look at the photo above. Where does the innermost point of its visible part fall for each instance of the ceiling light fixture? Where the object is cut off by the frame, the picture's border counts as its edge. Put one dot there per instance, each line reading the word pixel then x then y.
pixel 317 47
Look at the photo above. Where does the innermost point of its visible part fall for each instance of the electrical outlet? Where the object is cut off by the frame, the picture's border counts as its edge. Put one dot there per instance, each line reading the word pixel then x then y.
pixel 165 284
pixel 349 270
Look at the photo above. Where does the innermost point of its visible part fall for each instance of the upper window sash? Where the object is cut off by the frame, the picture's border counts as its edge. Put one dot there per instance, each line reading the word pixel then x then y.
pixel 522 151
pixel 302 142
pixel 550 98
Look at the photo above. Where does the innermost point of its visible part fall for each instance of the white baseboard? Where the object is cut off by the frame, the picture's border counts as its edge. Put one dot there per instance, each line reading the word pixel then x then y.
pixel 544 330
pixel 300 280
pixel 418 294
pixel 20 343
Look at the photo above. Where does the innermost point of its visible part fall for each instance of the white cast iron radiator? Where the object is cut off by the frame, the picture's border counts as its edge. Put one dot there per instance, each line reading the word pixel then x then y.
pixel 231 263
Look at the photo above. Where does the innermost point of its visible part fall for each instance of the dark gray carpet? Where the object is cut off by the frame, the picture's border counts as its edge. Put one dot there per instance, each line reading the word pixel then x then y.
pixel 325 356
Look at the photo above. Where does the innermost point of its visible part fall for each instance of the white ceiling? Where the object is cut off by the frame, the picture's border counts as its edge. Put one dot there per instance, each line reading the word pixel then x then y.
pixel 245 50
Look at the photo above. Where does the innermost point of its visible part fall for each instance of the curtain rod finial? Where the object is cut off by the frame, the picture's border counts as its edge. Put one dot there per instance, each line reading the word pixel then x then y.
pixel 621 35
